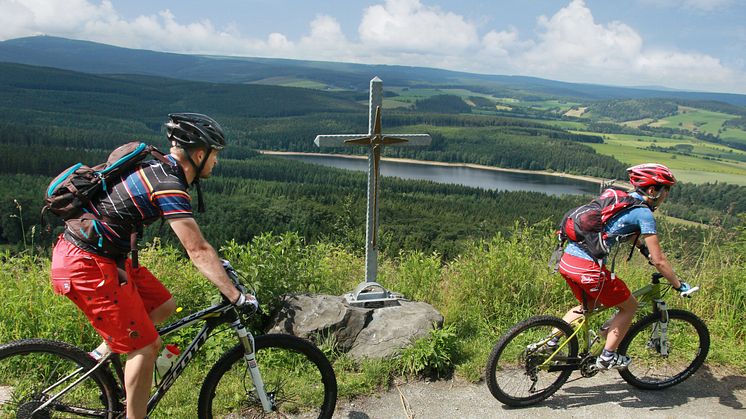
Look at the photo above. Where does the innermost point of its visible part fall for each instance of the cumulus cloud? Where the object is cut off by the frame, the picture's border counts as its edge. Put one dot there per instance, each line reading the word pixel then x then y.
pixel 573 46
pixel 408 25
pixel 568 45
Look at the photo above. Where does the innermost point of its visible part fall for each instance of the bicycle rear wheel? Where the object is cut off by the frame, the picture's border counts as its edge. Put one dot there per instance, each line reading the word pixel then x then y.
pixel 514 373
pixel 296 375
pixel 34 370
pixel 688 345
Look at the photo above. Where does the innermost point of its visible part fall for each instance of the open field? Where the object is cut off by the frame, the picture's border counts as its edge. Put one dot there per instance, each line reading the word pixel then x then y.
pixel 576 112
pixel 637 122
pixel 411 95
pixel 697 168
pixel 396 103
pixel 693 119
pixel 733 135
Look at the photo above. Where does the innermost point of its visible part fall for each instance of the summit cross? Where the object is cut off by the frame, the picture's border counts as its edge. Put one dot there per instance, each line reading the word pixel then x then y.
pixel 370 291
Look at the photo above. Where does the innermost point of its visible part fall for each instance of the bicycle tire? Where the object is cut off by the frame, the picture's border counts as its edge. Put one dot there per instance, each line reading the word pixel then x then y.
pixel 687 351
pixel 513 360
pixel 289 366
pixel 29 366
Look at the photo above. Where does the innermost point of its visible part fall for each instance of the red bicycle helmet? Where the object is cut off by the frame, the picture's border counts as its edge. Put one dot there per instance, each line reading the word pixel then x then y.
pixel 649 174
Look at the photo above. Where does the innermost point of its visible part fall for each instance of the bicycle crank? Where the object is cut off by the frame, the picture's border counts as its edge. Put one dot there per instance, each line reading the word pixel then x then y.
pixel 588 366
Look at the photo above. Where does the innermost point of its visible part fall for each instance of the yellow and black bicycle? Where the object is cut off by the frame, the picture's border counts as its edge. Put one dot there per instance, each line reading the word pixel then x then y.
pixel 666 346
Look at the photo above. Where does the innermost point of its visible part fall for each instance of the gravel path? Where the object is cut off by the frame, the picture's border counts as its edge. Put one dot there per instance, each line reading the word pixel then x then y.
pixel 708 394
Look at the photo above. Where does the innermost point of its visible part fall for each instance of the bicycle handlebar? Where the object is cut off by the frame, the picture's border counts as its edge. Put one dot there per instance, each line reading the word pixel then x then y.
pixel 688 293
pixel 656 276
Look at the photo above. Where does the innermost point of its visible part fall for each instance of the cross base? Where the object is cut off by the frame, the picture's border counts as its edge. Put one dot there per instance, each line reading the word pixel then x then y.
pixel 372 295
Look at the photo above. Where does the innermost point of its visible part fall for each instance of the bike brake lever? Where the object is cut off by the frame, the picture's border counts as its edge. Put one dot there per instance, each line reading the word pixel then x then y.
pixel 688 294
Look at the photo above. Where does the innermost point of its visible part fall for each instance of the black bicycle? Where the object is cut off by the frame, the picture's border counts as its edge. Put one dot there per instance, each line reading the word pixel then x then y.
pixel 266 375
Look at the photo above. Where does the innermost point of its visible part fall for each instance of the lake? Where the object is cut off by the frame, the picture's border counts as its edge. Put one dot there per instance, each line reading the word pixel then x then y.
pixel 466 176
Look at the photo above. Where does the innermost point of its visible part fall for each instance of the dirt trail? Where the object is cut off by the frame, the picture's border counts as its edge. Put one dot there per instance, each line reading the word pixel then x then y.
pixel 708 394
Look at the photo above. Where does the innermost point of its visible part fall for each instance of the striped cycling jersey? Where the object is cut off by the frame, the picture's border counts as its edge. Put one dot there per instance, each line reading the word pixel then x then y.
pixel 154 190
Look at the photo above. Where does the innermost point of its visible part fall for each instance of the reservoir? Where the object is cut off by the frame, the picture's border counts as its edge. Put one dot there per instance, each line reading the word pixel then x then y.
pixel 466 176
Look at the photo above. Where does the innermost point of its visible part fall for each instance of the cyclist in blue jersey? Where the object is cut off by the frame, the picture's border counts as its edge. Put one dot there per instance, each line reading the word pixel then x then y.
pixel 123 301
pixel 584 274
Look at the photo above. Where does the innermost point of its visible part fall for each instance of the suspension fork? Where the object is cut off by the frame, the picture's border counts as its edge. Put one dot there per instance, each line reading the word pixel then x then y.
pixel 247 341
pixel 660 330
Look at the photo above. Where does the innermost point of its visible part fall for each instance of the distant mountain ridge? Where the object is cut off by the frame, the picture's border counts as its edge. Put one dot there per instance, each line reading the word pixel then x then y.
pixel 96 58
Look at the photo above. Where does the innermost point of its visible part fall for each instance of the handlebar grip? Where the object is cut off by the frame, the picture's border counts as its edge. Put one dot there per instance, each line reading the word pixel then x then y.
pixel 688 293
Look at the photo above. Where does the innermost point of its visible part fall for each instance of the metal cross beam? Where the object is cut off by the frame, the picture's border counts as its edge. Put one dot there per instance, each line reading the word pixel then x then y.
pixel 370 292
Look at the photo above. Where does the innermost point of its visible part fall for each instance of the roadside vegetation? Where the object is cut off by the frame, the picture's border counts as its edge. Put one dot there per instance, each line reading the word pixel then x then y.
pixel 490 285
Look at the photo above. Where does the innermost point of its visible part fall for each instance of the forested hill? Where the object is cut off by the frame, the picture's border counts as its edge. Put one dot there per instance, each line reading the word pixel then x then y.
pixel 58 108
pixel 51 118
pixel 90 57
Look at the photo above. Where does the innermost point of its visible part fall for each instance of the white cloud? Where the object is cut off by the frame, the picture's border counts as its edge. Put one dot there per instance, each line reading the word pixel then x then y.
pixel 568 45
pixel 408 25
pixel 572 46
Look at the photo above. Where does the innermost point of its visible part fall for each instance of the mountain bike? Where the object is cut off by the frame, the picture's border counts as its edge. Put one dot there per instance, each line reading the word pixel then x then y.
pixel 666 346
pixel 272 375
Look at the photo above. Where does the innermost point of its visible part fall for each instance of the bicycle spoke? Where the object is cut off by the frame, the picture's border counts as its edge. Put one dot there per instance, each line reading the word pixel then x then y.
pixel 291 380
pixel 32 378
pixel 523 366
pixel 663 359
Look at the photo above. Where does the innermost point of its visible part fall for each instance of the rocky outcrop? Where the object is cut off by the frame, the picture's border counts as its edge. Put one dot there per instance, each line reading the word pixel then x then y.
pixel 362 332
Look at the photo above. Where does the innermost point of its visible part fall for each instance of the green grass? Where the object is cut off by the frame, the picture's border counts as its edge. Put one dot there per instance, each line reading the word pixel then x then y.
pixel 295 82
pixel 733 134
pixel 693 119
pixel 700 167
pixel 490 286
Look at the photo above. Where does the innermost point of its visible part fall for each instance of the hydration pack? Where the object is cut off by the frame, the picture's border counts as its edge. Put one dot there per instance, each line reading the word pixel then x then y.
pixel 585 224
pixel 71 191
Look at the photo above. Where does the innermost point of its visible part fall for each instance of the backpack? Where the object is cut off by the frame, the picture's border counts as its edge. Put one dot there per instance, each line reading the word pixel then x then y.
pixel 70 193
pixel 585 224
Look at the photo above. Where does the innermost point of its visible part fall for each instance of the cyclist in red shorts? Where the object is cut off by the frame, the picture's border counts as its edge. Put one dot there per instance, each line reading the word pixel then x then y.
pixel 583 273
pixel 123 302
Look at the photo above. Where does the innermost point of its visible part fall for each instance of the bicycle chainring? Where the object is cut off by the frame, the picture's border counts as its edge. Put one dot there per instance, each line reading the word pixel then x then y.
pixel 588 366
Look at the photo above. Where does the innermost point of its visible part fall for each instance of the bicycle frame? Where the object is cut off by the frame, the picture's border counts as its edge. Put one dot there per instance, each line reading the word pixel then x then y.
pixel 651 293
pixel 212 317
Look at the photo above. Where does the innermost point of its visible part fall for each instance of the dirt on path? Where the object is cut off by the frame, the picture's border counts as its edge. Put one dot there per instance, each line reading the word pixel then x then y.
pixel 708 394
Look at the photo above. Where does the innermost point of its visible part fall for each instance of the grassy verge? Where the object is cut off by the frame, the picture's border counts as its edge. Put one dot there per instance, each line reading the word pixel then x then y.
pixel 490 286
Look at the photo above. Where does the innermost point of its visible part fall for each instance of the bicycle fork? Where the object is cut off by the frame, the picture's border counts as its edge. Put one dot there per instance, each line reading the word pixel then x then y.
pixel 659 339
pixel 247 340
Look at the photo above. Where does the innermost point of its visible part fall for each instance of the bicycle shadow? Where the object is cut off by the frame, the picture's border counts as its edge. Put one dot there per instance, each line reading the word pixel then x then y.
pixel 613 389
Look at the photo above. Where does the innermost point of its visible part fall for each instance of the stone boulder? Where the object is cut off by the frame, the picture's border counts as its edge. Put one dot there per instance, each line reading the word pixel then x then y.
pixel 392 329
pixel 362 332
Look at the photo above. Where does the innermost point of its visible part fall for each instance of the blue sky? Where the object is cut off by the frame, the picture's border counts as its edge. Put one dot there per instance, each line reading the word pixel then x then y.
pixel 684 44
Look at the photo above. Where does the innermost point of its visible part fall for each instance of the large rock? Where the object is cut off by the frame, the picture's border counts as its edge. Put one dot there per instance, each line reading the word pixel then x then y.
pixel 393 328
pixel 362 332
pixel 309 316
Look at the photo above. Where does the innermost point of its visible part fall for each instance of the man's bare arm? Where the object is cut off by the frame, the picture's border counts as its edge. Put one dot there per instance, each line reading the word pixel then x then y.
pixel 204 256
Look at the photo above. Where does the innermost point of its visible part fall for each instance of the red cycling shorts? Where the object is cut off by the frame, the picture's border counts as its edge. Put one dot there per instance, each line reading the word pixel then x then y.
pixel 596 281
pixel 119 313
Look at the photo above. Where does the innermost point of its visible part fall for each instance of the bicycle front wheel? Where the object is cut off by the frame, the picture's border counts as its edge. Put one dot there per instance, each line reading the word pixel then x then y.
pixel 297 377
pixel 33 371
pixel 518 373
pixel 688 342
